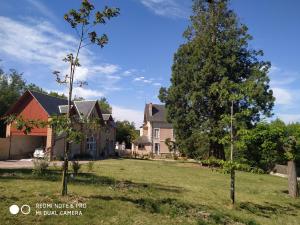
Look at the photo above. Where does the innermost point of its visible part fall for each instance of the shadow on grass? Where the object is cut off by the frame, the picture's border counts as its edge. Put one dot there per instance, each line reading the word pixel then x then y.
pixel 164 206
pixel 268 209
pixel 174 208
pixel 86 179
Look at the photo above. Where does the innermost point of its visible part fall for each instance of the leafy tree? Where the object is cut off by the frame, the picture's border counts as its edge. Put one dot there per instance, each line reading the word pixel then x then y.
pixel 126 132
pixel 262 146
pixel 293 129
pixel 171 145
pixel 104 106
pixel 84 21
pixel 213 68
pixel 33 87
pixel 12 86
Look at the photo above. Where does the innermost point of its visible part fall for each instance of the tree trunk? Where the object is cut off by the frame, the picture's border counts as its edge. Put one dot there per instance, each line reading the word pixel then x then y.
pixel 232 186
pixel 292 179
pixel 64 190
pixel 10 137
pixel 232 172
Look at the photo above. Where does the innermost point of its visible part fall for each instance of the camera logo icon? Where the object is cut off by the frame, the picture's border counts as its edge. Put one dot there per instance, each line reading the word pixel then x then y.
pixel 14 209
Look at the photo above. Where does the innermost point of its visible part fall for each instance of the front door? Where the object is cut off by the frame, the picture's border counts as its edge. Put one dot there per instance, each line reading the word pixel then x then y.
pixel 157 148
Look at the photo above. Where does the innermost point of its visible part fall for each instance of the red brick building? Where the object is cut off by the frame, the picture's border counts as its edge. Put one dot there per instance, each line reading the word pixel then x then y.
pixel 38 106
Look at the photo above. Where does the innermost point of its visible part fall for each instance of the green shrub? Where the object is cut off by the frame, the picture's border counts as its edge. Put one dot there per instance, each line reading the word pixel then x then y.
pixel 152 156
pixel 76 167
pixel 226 166
pixel 90 166
pixel 40 166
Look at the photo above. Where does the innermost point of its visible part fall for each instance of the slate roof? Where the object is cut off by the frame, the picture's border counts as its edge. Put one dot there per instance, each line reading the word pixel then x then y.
pixel 49 103
pixel 84 108
pixel 56 106
pixel 158 113
pixel 63 109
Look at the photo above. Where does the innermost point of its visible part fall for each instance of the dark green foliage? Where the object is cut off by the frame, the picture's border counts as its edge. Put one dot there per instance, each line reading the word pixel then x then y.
pixel 268 144
pixel 227 166
pixel 126 132
pixel 90 166
pixel 262 146
pixel 12 85
pixel 214 67
pixel 172 146
pixel 76 167
pixel 104 106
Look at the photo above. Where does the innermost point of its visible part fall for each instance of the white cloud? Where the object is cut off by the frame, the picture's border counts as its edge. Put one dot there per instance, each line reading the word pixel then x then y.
pixel 106 69
pixel 157 84
pixel 147 81
pixel 283 96
pixel 39 43
pixel 87 93
pixel 36 42
pixel 82 73
pixel 139 78
pixel 168 8
pixel 131 115
pixel 289 118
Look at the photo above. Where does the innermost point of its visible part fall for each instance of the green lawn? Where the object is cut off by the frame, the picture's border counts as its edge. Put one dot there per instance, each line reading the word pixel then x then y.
pixel 123 191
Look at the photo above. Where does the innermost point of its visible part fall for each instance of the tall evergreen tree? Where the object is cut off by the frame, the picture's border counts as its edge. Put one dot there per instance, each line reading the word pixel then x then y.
pixel 214 67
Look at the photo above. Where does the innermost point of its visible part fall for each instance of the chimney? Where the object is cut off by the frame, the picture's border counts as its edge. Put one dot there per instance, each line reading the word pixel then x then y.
pixel 150 109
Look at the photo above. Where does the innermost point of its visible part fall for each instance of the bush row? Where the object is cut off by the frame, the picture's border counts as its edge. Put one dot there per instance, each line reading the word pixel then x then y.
pixel 226 166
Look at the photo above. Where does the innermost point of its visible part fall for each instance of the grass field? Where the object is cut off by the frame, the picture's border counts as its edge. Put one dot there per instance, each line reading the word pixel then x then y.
pixel 124 191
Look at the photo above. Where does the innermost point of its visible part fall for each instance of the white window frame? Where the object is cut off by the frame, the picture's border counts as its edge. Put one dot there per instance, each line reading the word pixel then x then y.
pixel 158 132
pixel 91 144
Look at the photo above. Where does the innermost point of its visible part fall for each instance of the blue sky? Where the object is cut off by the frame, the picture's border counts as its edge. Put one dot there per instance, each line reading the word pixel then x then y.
pixel 137 61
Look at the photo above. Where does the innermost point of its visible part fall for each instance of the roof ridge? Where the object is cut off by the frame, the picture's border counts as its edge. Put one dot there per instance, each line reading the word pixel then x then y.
pixel 39 92
pixel 86 101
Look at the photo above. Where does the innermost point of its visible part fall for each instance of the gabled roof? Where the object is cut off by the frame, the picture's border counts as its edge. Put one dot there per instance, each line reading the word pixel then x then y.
pixel 107 117
pixel 63 109
pixel 158 113
pixel 85 108
pixel 56 106
pixel 49 103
